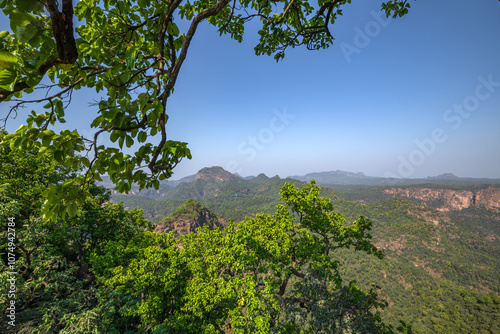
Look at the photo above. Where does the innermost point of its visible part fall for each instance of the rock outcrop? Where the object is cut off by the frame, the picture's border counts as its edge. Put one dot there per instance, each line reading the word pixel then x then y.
pixel 444 199
pixel 190 216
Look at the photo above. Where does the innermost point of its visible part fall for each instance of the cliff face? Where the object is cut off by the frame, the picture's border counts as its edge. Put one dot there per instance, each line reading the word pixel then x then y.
pixel 489 197
pixel 449 199
pixel 190 216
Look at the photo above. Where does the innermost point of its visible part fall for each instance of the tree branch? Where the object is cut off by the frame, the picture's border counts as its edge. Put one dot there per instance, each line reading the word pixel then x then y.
pixel 174 71
pixel 62 28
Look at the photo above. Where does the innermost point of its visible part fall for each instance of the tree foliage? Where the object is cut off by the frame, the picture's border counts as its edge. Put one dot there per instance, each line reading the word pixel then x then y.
pixel 53 281
pixel 104 271
pixel 271 273
pixel 131 52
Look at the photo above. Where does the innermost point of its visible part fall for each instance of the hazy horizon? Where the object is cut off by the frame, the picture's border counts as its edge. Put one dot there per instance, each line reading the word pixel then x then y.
pixel 324 171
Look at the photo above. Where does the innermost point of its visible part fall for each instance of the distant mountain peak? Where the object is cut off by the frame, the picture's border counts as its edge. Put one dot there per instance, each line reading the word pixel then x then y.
pixel 444 176
pixel 334 177
pixel 350 174
pixel 338 173
pixel 215 174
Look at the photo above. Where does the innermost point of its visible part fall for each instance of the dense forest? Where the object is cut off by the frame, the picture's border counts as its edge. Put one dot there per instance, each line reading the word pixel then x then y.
pixel 441 269
pixel 103 270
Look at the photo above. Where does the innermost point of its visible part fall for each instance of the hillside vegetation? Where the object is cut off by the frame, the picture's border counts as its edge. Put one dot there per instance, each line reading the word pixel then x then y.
pixel 104 270
pixel 442 265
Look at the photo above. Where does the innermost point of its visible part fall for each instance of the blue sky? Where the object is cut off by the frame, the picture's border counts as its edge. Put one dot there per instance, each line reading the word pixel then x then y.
pixel 411 97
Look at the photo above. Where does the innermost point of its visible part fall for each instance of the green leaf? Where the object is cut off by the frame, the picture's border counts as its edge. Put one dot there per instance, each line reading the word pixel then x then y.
pixel 85 162
pixel 27 34
pixel 142 136
pixel 7 79
pixel 15 143
pixel 65 67
pixel 73 209
pixel 130 56
pixel 59 156
pixel 29 5
pixel 48 133
pixel 20 19
pixel 172 29
pixel 46 141
pixel 42 150
pixel 7 59
pixel 67 182
pixel 114 136
pixel 129 141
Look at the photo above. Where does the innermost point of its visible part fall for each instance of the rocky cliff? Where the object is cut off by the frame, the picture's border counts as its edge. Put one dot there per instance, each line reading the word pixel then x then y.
pixel 444 199
pixel 190 216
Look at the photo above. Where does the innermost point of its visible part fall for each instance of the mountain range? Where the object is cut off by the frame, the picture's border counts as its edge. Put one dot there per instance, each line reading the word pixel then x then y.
pixel 350 178
pixel 339 177
pixel 218 174
pixel 218 185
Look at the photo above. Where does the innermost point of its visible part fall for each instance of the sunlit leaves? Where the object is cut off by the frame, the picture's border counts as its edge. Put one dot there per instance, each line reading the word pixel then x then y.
pixel 7 59
pixel 8 78
pixel 20 19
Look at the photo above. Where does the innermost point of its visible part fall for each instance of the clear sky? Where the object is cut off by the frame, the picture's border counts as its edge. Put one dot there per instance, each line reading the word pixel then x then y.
pixel 413 97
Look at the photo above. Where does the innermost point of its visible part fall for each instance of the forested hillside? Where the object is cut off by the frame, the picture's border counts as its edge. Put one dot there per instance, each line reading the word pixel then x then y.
pixel 227 195
pixel 442 265
pixel 307 262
